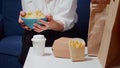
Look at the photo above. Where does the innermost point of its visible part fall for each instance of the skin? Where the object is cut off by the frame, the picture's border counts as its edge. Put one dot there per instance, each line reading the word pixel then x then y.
pixel 50 24
pixel 101 1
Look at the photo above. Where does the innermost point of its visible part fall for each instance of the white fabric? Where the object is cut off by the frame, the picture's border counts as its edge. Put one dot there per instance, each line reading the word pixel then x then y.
pixel 61 10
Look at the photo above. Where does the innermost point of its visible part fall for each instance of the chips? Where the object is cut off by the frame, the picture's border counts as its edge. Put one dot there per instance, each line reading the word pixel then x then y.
pixel 35 14
pixel 76 43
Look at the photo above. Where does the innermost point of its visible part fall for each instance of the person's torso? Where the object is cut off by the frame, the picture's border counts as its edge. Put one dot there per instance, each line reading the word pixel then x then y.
pixel 46 6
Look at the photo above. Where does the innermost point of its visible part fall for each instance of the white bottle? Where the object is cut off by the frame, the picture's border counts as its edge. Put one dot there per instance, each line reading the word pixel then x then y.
pixel 39 44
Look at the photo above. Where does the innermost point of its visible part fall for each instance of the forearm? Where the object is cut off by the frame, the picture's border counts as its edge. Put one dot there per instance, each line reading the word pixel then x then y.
pixel 56 26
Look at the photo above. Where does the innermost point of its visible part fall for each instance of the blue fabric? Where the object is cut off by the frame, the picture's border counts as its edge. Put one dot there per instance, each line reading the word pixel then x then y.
pixel 7 61
pixel 1 27
pixel 1 17
pixel 83 11
pixel 0 6
pixel 11 45
pixel 10 11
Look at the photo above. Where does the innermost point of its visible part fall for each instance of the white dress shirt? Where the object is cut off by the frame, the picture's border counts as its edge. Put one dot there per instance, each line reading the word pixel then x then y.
pixel 61 10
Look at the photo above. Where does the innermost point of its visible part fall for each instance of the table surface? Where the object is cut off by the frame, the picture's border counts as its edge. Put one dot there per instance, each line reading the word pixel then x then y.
pixel 49 61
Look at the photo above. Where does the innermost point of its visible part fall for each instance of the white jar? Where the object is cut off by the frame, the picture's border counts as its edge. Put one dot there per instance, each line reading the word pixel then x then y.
pixel 38 42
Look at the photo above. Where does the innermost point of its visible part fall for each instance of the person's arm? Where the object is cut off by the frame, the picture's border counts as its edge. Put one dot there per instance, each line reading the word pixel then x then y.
pixel 65 12
pixel 55 25
pixel 63 17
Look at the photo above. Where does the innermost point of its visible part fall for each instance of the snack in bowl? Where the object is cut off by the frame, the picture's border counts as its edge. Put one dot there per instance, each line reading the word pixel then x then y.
pixel 33 17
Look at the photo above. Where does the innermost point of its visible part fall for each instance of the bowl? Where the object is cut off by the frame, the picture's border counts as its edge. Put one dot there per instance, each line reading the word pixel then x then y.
pixel 30 21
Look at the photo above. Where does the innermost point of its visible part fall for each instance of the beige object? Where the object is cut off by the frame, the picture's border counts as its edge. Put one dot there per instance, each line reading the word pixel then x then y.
pixel 34 15
pixel 98 16
pixel 109 55
pixel 60 47
pixel 77 49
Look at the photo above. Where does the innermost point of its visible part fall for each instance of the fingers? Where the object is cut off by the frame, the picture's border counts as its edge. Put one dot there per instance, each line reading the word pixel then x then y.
pixel 44 23
pixel 39 28
pixel 22 13
pixel 27 28
pixel 19 20
pixel 49 17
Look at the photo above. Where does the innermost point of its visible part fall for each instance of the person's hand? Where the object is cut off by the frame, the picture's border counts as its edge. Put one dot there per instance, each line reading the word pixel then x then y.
pixel 50 24
pixel 22 13
pixel 45 25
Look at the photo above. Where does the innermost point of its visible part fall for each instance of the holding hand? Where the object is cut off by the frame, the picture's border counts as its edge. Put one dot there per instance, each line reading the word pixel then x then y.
pixel 22 13
pixel 50 24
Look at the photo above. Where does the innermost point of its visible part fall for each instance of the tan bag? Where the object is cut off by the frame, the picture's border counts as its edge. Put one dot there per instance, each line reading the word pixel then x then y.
pixel 96 27
pixel 109 55
pixel 60 47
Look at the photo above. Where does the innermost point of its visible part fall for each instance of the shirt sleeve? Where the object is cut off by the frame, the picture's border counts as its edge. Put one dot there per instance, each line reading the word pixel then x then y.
pixel 65 11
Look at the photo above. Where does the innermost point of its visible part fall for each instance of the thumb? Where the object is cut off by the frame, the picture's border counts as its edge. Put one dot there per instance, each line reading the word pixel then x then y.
pixel 49 17
pixel 22 13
